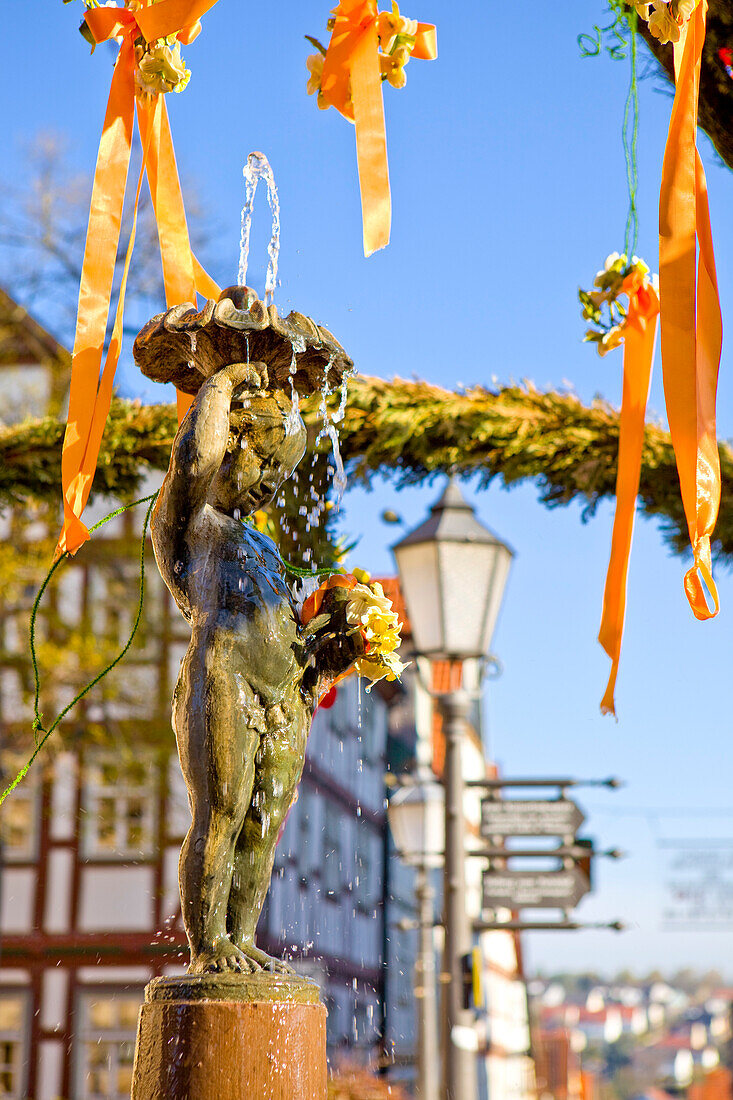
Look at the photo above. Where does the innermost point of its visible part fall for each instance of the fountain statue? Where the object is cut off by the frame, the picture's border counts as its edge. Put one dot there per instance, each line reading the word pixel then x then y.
pixel 252 675
pixel 239 1022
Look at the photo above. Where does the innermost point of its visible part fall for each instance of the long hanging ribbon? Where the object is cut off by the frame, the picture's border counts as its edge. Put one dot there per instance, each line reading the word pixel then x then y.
pixel 690 316
pixel 90 395
pixel 639 336
pixel 352 83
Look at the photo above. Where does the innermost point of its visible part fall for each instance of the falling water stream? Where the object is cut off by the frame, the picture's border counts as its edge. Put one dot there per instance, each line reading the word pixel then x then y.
pixel 258 168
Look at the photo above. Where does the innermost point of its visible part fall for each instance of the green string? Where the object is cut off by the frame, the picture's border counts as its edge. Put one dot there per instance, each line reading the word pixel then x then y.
pixel 327 570
pixel 623 29
pixel 38 727
pixel 38 717
pixel 591 45
pixel 631 112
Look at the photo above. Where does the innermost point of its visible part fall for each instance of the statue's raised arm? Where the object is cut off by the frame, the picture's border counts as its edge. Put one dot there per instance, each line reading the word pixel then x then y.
pixel 200 448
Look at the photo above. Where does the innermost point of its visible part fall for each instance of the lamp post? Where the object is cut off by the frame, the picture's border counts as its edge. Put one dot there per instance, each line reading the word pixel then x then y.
pixel 453 571
pixel 416 818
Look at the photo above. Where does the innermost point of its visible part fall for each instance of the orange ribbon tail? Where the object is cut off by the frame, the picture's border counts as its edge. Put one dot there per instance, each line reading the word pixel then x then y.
pixel 639 336
pixel 691 321
pixel 371 142
pixel 352 83
pixel 78 460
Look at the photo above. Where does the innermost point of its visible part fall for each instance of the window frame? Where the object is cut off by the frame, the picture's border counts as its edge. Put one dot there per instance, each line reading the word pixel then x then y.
pixel 24 995
pixel 94 792
pixel 85 1035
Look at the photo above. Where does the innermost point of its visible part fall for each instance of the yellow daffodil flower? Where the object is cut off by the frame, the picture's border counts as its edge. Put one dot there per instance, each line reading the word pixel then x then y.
pixel 392 67
pixel 160 69
pixel 390 25
pixel 389 667
pixel 610 340
pixel 363 599
pixel 370 611
pixel 315 67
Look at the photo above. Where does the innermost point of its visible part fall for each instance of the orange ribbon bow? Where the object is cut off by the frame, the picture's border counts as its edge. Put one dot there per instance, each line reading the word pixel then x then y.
pixel 639 331
pixel 90 395
pixel 352 84
pixel 690 319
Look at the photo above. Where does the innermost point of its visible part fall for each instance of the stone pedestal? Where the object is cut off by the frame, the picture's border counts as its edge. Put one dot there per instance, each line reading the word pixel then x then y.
pixel 231 1037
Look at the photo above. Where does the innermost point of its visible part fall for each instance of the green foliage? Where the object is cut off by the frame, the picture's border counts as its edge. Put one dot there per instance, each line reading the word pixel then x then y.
pixel 409 432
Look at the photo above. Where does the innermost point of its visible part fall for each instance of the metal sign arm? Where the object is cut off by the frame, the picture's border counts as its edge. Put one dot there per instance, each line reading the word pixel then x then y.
pixel 497 784
pixel 545 926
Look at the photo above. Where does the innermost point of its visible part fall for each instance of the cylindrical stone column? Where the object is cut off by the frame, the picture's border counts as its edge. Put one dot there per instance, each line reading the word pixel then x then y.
pixel 231 1037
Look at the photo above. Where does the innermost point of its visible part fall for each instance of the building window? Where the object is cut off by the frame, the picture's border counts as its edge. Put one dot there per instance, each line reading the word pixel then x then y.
pixel 13 1056
pixel 332 868
pixel 20 816
pixel 107 1035
pixel 119 802
pixel 368 858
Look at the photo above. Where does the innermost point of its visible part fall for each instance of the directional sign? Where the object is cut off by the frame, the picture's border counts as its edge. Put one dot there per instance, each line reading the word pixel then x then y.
pixel 534 889
pixel 535 817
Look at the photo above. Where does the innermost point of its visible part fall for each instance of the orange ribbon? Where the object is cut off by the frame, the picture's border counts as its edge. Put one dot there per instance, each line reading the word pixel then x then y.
pixel 311 607
pixel 639 335
pixel 352 83
pixel 690 318
pixel 90 394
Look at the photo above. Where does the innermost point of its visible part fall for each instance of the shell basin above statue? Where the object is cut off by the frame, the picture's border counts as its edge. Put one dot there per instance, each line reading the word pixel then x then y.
pixel 185 346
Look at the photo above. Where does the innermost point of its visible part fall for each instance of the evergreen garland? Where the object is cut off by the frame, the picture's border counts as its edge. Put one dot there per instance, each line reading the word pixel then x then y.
pixel 409 432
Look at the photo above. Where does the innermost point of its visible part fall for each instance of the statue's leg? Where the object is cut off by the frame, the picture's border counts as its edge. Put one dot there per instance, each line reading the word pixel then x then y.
pixel 217 750
pixel 279 765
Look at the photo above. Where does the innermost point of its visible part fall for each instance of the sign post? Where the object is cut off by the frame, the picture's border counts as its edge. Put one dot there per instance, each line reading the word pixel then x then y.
pixel 536 817
pixel 563 876
pixel 534 889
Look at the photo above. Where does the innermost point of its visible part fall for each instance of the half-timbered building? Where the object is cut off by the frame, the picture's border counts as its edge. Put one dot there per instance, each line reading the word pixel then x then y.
pixel 89 903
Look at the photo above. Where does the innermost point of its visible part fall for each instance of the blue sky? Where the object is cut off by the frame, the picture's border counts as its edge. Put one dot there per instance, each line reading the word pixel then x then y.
pixel 508 191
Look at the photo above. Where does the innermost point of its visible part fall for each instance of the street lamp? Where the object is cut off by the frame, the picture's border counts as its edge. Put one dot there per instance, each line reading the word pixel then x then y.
pixel 416 812
pixel 453 571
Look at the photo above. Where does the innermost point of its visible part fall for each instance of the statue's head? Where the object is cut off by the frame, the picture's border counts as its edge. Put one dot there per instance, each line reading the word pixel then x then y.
pixel 266 442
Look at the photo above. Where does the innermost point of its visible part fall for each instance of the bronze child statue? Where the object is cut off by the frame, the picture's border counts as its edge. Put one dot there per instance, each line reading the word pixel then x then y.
pixel 253 674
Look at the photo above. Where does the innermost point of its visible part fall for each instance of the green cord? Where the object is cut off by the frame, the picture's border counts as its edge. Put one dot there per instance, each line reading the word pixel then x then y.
pixel 631 108
pixel 38 717
pixel 327 571
pixel 626 18
pixel 38 726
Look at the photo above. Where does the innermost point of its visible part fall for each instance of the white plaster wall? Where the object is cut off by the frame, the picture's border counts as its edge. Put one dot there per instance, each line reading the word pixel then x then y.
pixel 50 1069
pixel 116 898
pixel 171 896
pixel 53 999
pixel 57 915
pixel 63 797
pixel 114 975
pixel 16 912
pixel 13 976
pixel 25 390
